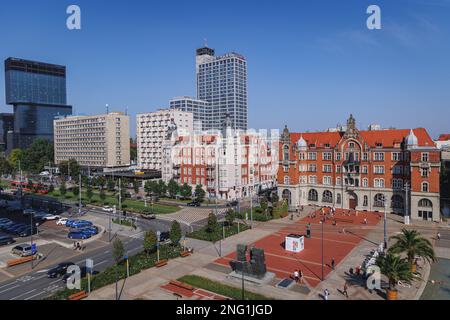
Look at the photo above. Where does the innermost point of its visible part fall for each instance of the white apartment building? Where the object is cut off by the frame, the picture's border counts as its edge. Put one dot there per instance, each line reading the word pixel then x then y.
pixel 101 141
pixel 151 131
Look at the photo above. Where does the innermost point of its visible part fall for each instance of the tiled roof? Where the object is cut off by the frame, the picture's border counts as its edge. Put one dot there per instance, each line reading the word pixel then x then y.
pixel 444 137
pixel 388 138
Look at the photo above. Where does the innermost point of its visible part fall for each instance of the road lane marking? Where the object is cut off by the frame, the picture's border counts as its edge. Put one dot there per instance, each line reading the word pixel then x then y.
pixel 37 294
pixel 23 294
pixel 101 262
pixel 10 289
pixel 6 285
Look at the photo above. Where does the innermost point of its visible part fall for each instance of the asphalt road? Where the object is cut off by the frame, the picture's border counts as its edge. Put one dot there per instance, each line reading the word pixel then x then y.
pixel 36 285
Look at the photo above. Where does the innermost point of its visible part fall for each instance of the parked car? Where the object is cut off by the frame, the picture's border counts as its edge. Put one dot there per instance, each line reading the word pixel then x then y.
pixel 26 231
pixel 89 230
pixel 22 250
pixel 81 224
pixel 164 236
pixel 13 229
pixel 5 239
pixel 6 225
pixel 108 209
pixel 27 212
pixel 59 270
pixel 194 203
pixel 62 222
pixel 79 235
pixel 70 222
pixel 51 217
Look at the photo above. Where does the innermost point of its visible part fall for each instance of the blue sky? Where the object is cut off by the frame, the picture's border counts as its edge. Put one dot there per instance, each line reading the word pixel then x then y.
pixel 311 62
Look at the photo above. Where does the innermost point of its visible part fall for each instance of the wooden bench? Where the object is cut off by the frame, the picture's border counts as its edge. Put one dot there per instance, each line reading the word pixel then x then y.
pixel 15 262
pixel 161 263
pixel 185 254
pixel 78 296
pixel 181 285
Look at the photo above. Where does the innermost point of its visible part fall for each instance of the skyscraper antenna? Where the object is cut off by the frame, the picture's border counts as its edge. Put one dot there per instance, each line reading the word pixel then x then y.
pixel 206 42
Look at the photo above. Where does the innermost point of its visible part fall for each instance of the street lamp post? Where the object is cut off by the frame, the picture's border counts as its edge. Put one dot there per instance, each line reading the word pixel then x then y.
pixel 322 221
pixel 385 224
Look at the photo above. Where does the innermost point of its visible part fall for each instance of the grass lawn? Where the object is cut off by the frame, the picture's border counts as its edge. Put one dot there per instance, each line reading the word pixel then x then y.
pixel 219 288
pixel 203 234
pixel 124 222
pixel 110 200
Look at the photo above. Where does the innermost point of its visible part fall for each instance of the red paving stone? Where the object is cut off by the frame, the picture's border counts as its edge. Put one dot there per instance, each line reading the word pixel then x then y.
pixel 336 244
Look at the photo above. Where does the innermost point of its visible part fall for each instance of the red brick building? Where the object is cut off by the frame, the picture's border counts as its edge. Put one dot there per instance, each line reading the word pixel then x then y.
pixel 354 169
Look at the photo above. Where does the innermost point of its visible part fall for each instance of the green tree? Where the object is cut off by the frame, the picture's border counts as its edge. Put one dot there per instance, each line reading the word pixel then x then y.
pixel 136 186
pixel 264 204
pixel 162 188
pixel 175 233
pixel 199 193
pixel 186 190
pixel 70 168
pixel 413 245
pixel 212 225
pixel 150 240
pixel 101 181
pixel 275 199
pixel 230 216
pixel 38 155
pixel 173 188
pixel 5 166
pixel 76 191
pixel 151 187
pixel 102 195
pixel 111 185
pixel 51 188
pixel 89 193
pixel 63 188
pixel 395 269
pixel 14 157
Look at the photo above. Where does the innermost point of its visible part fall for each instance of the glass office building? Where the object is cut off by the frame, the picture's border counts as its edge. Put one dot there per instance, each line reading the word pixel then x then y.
pixel 6 124
pixel 37 92
pixel 222 81
pixel 201 110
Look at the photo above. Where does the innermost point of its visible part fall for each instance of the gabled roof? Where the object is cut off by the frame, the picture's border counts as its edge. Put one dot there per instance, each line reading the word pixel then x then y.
pixel 444 137
pixel 388 138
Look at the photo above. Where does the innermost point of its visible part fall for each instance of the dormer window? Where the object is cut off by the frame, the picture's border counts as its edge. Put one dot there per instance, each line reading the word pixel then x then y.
pixel 312 145
pixel 327 145
pixel 378 145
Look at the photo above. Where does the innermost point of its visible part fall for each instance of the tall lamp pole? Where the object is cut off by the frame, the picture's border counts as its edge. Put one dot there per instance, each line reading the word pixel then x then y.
pixel 79 204
pixel 385 224
pixel 322 221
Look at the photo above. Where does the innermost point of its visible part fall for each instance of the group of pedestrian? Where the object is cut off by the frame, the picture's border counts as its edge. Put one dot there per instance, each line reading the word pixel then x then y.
pixel 298 276
pixel 78 246
pixel 326 293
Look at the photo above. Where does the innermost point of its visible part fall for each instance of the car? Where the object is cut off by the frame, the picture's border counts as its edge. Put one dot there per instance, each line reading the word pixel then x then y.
pixel 26 232
pixel 14 228
pixel 22 250
pixel 89 230
pixel 108 209
pixel 44 173
pixel 59 270
pixel 194 203
pixel 233 203
pixel 83 274
pixel 5 239
pixel 4 220
pixel 6 225
pixel 27 212
pixel 79 235
pixel 70 223
pixel 81 224
pixel 62 222
pixel 164 236
pixel 51 217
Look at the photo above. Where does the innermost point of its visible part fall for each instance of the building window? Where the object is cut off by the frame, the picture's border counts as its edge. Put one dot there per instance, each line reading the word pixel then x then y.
pixel 396 156
pixel 313 195
pixel 424 172
pixel 397 183
pixel 378 156
pixel 365 169
pixel 365 183
pixel 286 168
pixel 327 180
pixel 326 156
pixel 327 168
pixel 378 183
pixel 365 156
pixel 425 187
pixel 378 200
pixel 338 156
pixel 338 168
pixel 425 203
pixel 425 156
pixel 338 198
pixel 286 153
pixel 312 156
pixel 327 196
pixel 365 201
pixel 338 181
pixel 351 145
pixel 378 169
pixel 286 180
pixel 312 179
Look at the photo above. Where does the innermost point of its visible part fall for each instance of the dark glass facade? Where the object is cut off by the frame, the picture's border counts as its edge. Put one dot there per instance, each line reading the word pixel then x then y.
pixel 38 93
pixel 6 124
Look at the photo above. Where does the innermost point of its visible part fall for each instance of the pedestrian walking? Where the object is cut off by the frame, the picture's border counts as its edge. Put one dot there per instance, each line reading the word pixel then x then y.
pixel 300 276
pixel 296 276
pixel 438 236
pixel 345 289
pixel 365 220
pixel 332 263
pixel 326 293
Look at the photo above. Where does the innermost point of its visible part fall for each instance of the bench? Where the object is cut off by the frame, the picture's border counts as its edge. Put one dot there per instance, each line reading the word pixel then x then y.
pixel 185 254
pixel 181 285
pixel 161 263
pixel 15 262
pixel 78 296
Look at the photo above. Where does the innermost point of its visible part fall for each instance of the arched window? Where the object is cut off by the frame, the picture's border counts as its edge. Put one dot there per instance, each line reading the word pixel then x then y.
pixel 286 195
pixel 286 180
pixel 397 202
pixel 425 203
pixel 365 182
pixel 286 152
pixel 338 198
pixel 378 200
pixel 425 186
pixel 313 195
pixel 366 201
pixel 327 196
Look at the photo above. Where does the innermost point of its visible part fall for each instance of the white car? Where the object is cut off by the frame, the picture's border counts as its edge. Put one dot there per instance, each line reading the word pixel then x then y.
pixel 108 209
pixel 50 217
pixel 61 222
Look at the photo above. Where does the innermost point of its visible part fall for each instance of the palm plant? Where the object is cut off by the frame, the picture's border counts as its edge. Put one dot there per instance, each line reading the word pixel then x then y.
pixel 414 245
pixel 395 269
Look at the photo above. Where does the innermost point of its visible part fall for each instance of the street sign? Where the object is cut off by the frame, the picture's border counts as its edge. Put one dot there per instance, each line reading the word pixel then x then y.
pixel 158 235
pixel 89 265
